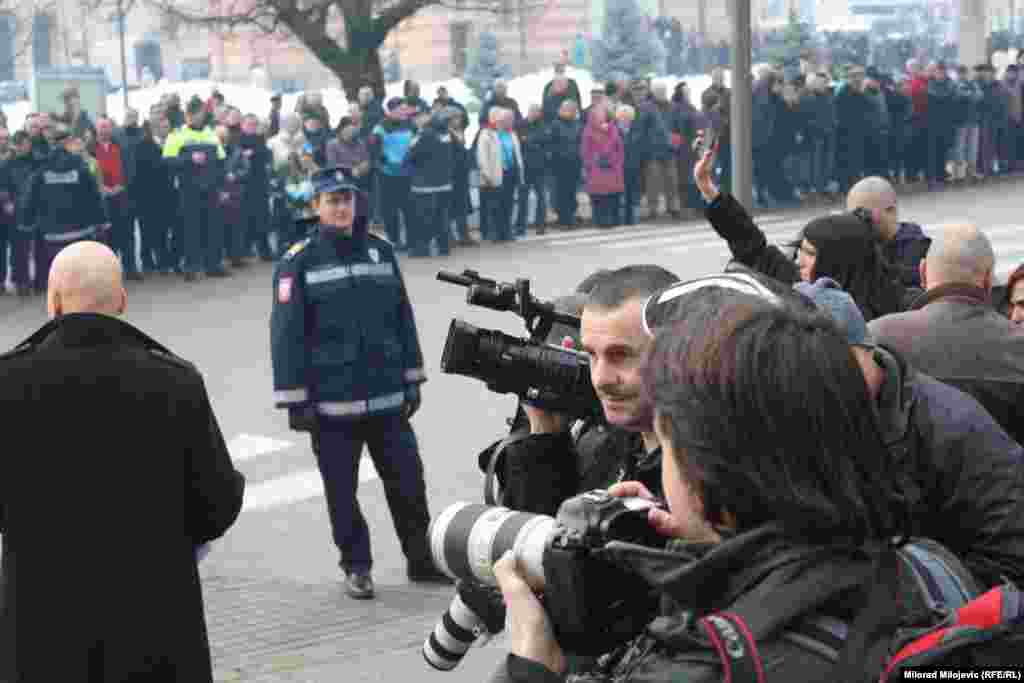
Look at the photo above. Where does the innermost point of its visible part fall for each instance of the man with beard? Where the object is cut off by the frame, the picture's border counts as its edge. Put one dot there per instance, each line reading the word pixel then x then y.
pixel 256 191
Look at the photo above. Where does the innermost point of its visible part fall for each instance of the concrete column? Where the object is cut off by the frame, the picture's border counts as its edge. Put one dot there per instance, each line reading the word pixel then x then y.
pixel 973 32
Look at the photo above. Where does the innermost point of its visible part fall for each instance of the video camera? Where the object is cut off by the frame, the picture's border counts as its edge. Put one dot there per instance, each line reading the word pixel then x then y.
pixel 548 376
pixel 594 604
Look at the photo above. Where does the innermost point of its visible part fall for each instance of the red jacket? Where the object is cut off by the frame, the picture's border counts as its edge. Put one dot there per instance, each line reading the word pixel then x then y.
pixel 919 97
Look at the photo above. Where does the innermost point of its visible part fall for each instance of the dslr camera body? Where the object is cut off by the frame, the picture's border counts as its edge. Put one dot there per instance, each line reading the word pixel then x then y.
pixel 594 604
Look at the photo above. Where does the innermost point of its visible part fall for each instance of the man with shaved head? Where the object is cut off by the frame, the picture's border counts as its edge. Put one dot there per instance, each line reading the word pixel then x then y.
pixel 100 529
pixel 904 244
pixel 955 335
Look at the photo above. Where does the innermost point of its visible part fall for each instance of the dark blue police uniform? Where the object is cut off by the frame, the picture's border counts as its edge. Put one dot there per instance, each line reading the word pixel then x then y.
pixel 347 366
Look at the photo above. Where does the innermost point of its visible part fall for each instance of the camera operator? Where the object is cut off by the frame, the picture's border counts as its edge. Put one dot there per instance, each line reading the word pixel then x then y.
pixel 555 462
pixel 776 513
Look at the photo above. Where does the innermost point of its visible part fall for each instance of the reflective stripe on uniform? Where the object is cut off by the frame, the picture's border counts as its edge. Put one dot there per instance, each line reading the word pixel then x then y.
pixel 349 408
pixel 291 396
pixel 68 236
pixel 314 277
pixel 415 375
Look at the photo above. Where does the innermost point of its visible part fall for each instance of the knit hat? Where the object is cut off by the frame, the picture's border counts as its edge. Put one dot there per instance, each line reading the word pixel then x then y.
pixel 830 298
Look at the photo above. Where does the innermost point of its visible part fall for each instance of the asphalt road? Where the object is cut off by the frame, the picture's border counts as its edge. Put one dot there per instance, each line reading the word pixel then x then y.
pixel 275 606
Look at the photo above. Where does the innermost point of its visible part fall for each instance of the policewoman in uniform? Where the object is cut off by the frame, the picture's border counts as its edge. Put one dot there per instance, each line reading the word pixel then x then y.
pixel 347 367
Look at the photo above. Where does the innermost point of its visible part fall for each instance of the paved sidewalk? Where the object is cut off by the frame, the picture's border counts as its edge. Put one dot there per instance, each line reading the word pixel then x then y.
pixel 277 630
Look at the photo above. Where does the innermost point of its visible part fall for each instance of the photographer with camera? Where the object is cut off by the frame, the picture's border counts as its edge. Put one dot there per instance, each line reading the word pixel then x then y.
pixel 559 459
pixel 552 455
pixel 776 514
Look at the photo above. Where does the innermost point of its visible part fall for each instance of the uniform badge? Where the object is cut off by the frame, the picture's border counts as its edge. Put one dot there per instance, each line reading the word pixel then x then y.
pixel 199 158
pixel 284 290
pixel 374 254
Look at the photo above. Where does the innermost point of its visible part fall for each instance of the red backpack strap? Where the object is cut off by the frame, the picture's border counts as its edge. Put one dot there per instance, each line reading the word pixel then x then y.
pixel 732 640
pixel 977 621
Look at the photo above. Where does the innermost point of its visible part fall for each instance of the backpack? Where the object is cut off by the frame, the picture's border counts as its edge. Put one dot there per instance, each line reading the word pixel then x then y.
pixel 948 623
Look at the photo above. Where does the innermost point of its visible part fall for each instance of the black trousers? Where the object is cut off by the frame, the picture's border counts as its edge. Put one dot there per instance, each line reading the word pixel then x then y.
pixel 203 232
pixel 566 177
pixel 429 211
pixel 154 224
pixel 338 447
pixel 394 200
pixel 122 230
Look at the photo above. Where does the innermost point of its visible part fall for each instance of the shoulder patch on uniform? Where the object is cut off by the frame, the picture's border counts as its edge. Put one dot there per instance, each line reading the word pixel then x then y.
pixel 296 248
pixel 171 359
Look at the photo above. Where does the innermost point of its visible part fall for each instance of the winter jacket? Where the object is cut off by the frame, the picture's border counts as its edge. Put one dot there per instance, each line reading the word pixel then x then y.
pixel 820 109
pixel 906 250
pixel 993 110
pixel 781 588
pixel 152 176
pixel 353 155
pixel 633 146
pixel 1015 104
pixel 968 471
pixel 603 157
pixel 878 124
pixel 953 334
pixel 749 246
pixel 489 159
pixel 853 112
pixel 533 138
pixel 389 144
pixel 765 111
pixel 968 96
pixel 63 200
pixel 918 92
pixel 431 159
pixel 942 105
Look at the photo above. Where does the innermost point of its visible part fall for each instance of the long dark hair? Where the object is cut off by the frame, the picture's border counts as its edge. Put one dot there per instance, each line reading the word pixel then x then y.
pixel 771 420
pixel 848 252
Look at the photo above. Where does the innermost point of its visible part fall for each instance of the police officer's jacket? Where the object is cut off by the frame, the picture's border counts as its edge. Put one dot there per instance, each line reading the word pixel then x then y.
pixel 343 337
pixel 62 199
pixel 197 158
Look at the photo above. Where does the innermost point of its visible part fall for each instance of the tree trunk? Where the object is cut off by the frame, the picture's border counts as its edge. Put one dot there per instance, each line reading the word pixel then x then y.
pixel 354 67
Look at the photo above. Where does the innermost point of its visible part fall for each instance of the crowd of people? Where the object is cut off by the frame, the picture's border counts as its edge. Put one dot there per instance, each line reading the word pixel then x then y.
pixel 630 151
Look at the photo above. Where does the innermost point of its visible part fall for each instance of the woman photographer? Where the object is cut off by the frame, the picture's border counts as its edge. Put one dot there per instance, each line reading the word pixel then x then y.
pixel 777 513
pixel 843 247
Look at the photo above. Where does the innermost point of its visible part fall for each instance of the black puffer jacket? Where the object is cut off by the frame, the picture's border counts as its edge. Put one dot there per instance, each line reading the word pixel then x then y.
pixel 778 587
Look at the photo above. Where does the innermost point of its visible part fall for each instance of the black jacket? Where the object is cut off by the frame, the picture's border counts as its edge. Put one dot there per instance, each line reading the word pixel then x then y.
pixel 63 200
pixel 749 246
pixel 782 590
pixel 537 472
pixel 99 530
pixel 968 471
pixel 955 335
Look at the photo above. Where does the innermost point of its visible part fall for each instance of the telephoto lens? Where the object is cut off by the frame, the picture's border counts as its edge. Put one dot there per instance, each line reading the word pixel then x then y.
pixel 466 539
pixel 477 612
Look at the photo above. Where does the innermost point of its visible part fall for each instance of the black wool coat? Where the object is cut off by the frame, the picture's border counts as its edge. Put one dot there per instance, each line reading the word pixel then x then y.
pixel 120 471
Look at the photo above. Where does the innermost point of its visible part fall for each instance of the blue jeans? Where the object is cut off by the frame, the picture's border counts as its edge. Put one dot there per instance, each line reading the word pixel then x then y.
pixel 338 446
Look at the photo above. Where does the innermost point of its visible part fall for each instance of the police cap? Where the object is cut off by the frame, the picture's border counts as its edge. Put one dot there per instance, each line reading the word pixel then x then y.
pixel 334 179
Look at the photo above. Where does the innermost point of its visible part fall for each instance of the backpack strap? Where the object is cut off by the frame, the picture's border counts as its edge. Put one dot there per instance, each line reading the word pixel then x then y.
pixel 737 651
pixel 492 495
pixel 996 612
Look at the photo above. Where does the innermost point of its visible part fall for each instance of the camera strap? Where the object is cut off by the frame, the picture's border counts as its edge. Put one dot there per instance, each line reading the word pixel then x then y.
pixel 736 648
pixel 492 495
